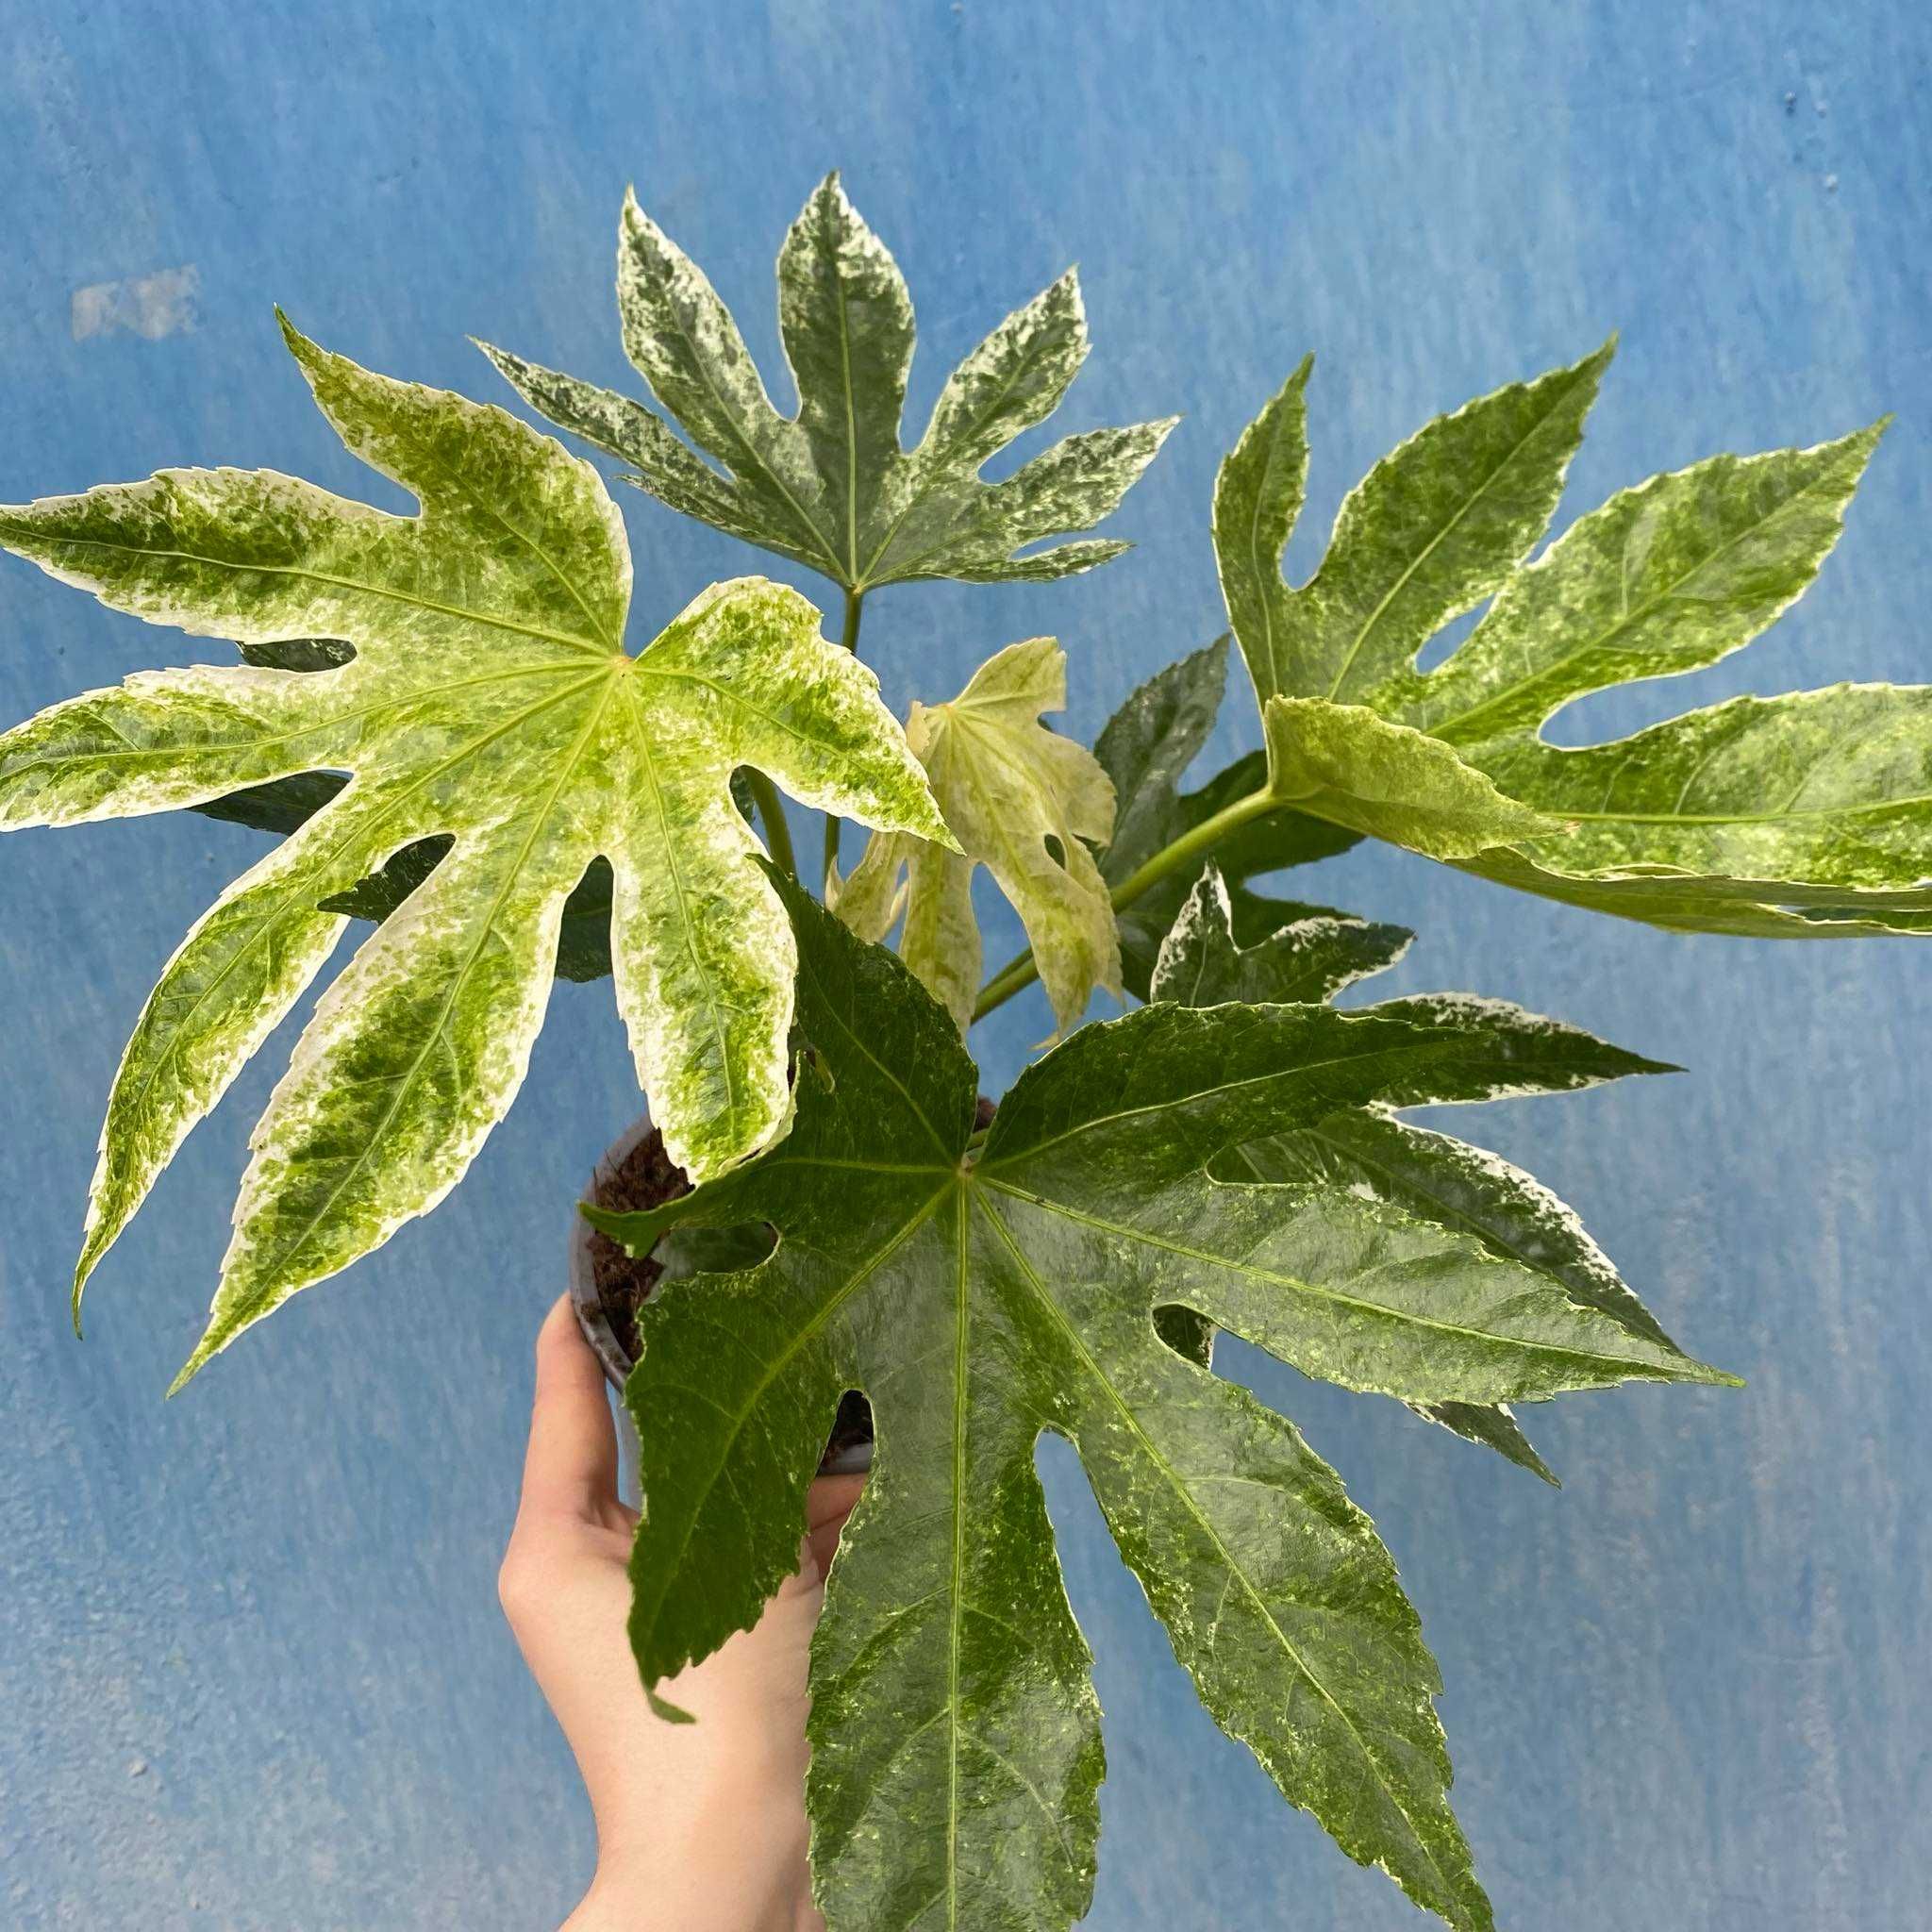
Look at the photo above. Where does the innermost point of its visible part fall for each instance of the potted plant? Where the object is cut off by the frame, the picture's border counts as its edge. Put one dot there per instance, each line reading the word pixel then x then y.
pixel 442 715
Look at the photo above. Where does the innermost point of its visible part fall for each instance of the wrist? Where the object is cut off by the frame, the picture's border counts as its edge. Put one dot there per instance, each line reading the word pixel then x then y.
pixel 623 1903
pixel 654 1885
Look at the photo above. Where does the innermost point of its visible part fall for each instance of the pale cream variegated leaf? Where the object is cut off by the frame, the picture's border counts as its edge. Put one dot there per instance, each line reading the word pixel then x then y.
pixel 1022 801
pixel 1346 764
pixel 483 707
pixel 1664 579
pixel 1803 816
pixel 831 487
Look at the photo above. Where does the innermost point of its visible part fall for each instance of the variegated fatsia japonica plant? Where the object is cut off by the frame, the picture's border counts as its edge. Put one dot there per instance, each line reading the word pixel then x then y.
pixel 445 717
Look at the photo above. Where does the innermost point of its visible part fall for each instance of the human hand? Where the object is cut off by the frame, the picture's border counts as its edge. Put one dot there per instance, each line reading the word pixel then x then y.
pixel 700 1826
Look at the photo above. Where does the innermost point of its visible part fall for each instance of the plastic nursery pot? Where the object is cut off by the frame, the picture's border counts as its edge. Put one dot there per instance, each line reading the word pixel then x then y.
pixel 849 1450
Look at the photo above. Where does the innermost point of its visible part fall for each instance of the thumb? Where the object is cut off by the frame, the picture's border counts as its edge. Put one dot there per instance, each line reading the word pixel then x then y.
pixel 828 1503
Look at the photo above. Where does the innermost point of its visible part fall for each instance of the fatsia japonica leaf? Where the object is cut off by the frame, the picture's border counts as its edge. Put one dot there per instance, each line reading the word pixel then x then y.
pixel 583 941
pixel 1308 958
pixel 1803 816
pixel 1434 527
pixel 980 1292
pixel 1145 748
pixel 1347 764
pixel 1428 1175
pixel 486 703
pixel 831 487
pixel 1025 803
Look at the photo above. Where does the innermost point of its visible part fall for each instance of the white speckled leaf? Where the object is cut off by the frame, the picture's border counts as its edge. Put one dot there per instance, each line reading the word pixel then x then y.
pixel 1662 579
pixel 1437 1179
pixel 1819 798
pixel 979 1293
pixel 1432 529
pixel 1303 961
pixel 1803 816
pixel 487 703
pixel 1025 803
pixel 1468 1188
pixel 832 487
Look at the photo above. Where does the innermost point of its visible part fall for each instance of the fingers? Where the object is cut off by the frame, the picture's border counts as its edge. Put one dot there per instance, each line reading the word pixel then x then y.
pixel 828 1503
pixel 570 1467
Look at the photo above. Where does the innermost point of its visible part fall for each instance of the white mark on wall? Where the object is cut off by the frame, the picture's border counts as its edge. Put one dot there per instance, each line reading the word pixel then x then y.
pixel 153 306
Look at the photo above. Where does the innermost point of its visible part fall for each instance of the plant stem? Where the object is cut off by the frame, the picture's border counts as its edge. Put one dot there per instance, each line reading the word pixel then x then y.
pixel 771 810
pixel 855 601
pixel 1021 971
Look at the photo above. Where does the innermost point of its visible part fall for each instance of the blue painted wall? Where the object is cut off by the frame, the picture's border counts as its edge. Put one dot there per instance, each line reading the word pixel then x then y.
pixel 252 1674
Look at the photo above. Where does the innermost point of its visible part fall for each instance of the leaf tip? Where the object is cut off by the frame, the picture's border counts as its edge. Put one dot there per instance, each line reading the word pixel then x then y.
pixel 297 343
pixel 632 220
pixel 224 1326
pixel 1296 384
pixel 189 1369
pixel 1856 449
pixel 671 1713
pixel 620 1227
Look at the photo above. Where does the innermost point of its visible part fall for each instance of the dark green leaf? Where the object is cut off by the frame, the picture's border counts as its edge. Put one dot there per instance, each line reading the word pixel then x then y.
pixel 1436 1178
pixel 297 654
pixel 1489 1427
pixel 281 806
pixel 1150 741
pixel 980 1295
pixel 1145 748
pixel 1310 959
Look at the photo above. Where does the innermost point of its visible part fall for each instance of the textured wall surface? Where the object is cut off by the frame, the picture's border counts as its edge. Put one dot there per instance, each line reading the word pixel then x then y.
pixel 252 1672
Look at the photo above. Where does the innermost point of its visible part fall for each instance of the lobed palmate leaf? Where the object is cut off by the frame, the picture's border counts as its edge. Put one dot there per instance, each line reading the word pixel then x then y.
pixel 481 703
pixel 1431 1175
pixel 283 805
pixel 831 487
pixel 1808 815
pixel 981 1293
pixel 1022 801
